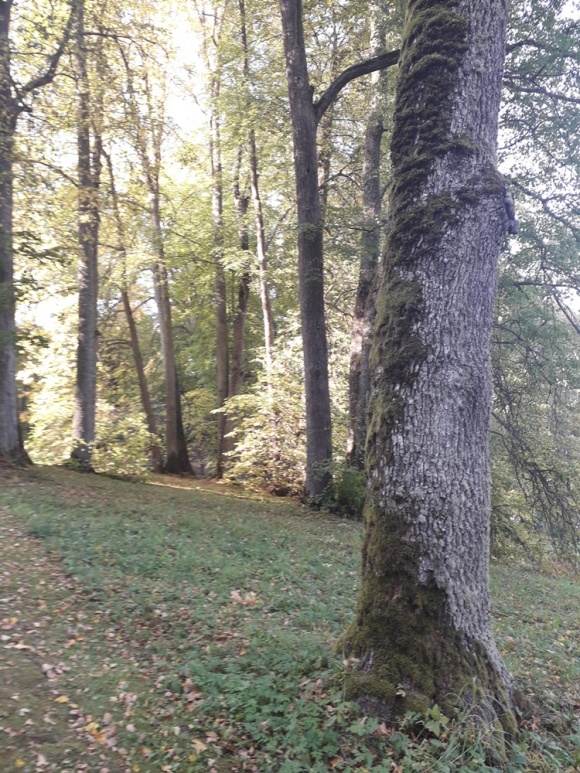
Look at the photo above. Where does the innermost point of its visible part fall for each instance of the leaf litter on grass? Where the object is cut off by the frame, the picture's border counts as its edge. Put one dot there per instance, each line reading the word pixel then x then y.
pixel 207 626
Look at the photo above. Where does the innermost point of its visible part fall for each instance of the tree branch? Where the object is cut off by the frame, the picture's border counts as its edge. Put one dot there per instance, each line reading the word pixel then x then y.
pixel 48 76
pixel 380 62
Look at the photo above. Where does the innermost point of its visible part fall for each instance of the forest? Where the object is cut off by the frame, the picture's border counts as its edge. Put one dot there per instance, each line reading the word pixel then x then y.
pixel 319 260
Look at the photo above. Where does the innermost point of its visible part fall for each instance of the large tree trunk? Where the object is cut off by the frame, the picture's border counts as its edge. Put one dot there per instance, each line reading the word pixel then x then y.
pixel 364 308
pixel 422 629
pixel 10 446
pixel 89 168
pixel 310 253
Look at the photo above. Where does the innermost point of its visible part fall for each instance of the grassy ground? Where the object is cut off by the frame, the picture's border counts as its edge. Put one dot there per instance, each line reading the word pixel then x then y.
pixel 176 626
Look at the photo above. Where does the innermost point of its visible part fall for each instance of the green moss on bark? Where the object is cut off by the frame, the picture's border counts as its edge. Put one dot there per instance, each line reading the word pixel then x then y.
pixel 410 656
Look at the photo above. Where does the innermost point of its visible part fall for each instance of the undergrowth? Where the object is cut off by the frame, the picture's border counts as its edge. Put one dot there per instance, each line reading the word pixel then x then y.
pixel 224 611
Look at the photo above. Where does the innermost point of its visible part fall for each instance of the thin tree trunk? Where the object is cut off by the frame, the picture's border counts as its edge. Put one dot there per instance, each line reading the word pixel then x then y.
pixel 149 142
pixel 220 299
pixel 10 445
pixel 242 201
pixel 262 253
pixel 177 457
pixel 364 309
pixel 89 169
pixel 154 450
pixel 310 254
pixel 261 245
pixel 422 629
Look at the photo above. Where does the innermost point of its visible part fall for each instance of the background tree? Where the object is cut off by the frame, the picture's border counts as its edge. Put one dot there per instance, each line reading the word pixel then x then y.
pixel 89 164
pixel 305 118
pixel 12 104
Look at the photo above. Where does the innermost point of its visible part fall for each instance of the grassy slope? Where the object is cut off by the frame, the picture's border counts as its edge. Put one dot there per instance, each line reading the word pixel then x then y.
pixel 216 614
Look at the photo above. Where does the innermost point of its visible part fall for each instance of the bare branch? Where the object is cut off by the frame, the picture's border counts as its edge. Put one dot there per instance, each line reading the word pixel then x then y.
pixel 381 62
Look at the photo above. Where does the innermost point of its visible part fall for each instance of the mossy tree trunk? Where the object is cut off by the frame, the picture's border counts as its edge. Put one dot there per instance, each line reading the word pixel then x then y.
pixel 364 307
pixel 422 629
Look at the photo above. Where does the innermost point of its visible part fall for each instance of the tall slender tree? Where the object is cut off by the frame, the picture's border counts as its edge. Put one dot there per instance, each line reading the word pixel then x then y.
pixel 261 244
pixel 306 115
pixel 364 308
pixel 154 449
pixel 146 113
pixel 12 104
pixel 422 629
pixel 89 143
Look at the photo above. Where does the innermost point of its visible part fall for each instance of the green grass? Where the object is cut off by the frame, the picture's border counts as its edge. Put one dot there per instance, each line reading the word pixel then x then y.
pixel 219 614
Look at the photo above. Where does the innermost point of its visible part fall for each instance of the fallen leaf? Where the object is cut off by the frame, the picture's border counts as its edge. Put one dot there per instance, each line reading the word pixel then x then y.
pixel 61 699
pixel 198 745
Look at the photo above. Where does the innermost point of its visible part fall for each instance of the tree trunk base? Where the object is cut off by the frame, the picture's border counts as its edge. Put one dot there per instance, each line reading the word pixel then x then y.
pixel 177 466
pixel 18 458
pixel 411 659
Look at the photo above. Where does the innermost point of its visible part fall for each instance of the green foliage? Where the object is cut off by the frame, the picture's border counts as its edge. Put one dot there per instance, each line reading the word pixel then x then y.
pixel 200 425
pixel 122 442
pixel 269 434
pixel 349 484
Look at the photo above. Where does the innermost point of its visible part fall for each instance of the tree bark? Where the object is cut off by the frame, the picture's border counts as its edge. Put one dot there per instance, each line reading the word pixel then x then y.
pixel 236 374
pixel 10 445
pixel 242 201
pixel 222 348
pixel 89 170
pixel 11 105
pixel 364 308
pixel 422 629
pixel 154 450
pixel 262 253
pixel 148 142
pixel 310 254
pixel 261 244
pixel 324 160
pixel 177 457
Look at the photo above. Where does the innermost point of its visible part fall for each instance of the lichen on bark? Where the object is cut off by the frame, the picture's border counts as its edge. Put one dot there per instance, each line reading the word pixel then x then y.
pixel 422 628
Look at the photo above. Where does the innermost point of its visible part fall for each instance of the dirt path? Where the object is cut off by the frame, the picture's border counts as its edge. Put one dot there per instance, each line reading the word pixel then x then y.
pixel 44 638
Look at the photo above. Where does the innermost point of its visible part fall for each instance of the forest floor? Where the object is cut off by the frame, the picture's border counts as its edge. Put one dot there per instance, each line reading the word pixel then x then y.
pixel 184 626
